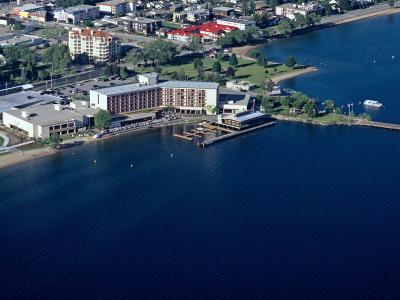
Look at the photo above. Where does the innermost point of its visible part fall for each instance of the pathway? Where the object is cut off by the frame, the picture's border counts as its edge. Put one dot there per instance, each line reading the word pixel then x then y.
pixel 5 138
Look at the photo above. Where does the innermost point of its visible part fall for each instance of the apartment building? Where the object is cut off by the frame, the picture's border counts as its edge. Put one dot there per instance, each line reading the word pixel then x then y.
pixel 141 25
pixel 114 7
pixel 76 14
pixel 186 97
pixel 241 24
pixel 290 10
pixel 98 45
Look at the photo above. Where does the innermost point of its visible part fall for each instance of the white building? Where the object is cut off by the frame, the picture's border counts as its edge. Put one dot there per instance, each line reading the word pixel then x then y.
pixel 186 97
pixel 290 10
pixel 114 7
pixel 42 119
pixel 240 85
pixel 241 24
pixel 76 14
pixel 98 45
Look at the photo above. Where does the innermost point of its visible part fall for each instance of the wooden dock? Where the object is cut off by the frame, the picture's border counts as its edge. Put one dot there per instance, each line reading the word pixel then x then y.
pixel 233 134
pixel 187 138
pixel 214 128
pixel 380 125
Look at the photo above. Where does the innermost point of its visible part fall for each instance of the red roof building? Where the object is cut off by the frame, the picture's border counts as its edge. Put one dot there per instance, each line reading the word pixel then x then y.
pixel 206 31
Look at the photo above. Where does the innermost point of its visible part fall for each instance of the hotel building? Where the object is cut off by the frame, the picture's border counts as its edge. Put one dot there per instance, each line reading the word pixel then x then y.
pixel 99 46
pixel 186 97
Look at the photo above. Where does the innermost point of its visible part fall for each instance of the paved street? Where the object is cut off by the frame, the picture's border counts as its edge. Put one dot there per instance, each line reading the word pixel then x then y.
pixel 337 19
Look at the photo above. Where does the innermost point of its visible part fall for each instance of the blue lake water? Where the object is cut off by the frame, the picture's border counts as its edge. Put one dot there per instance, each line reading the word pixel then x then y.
pixel 289 211
pixel 345 58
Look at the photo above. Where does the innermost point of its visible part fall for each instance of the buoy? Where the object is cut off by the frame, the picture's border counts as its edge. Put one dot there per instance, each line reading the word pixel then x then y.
pixel 172 155
pixel 131 165
pixel 94 161
pixel 392 56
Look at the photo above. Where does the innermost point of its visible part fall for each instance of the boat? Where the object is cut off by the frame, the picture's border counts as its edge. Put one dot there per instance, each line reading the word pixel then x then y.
pixel 200 128
pixel 373 103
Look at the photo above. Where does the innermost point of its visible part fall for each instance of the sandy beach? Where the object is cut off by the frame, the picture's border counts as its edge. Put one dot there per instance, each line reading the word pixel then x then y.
pixel 278 78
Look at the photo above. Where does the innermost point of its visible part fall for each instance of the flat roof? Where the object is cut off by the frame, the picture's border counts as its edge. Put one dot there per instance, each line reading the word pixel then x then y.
pixel 241 117
pixel 111 2
pixel 135 87
pixel 235 20
pixel 23 98
pixel 223 8
pixel 80 7
pixel 189 84
pixel 45 114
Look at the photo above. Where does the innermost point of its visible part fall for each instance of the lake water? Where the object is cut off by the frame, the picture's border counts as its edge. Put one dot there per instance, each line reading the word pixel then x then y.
pixel 356 61
pixel 289 211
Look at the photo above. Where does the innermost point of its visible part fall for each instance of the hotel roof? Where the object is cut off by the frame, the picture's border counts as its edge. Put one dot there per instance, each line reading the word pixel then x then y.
pixel 136 87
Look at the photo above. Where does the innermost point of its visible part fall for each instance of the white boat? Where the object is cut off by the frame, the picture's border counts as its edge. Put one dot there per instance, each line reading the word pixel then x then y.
pixel 200 128
pixel 373 103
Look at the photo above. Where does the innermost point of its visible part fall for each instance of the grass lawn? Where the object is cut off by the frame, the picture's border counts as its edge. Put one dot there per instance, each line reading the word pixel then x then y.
pixel 51 32
pixel 246 70
pixel 171 25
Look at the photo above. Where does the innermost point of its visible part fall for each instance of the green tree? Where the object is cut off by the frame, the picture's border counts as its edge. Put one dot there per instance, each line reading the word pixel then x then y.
pixel 344 5
pixel 197 63
pixel 299 100
pixel 123 73
pixel 285 26
pixel 216 68
pixel 133 57
pixel 230 72
pixel 233 60
pixel 310 107
pixel 290 62
pixel 195 44
pixel 269 85
pixel 301 20
pixel 262 61
pixel 88 23
pixel 329 105
pixel 160 52
pixel 54 141
pixel 102 119
pixel 58 56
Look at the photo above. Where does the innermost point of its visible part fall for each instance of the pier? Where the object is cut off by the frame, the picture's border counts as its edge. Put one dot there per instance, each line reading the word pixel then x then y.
pixel 380 125
pixel 233 134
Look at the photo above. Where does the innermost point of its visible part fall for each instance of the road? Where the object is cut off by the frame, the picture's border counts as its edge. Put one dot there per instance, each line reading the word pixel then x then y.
pixel 71 79
pixel 359 13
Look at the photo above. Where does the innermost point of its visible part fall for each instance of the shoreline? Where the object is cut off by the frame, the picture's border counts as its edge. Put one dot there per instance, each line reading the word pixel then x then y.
pixel 18 156
pixel 277 78
pixel 243 51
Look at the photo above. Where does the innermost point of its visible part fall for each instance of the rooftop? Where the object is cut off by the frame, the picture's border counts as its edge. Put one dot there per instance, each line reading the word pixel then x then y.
pixel 244 116
pixel 111 2
pixel 44 113
pixel 223 8
pixel 91 32
pixel 22 99
pixel 79 8
pixel 140 19
pixel 235 20
pixel 135 87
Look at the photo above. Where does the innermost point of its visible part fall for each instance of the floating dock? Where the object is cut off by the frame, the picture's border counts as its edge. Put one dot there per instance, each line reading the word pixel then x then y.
pixel 185 137
pixel 233 134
